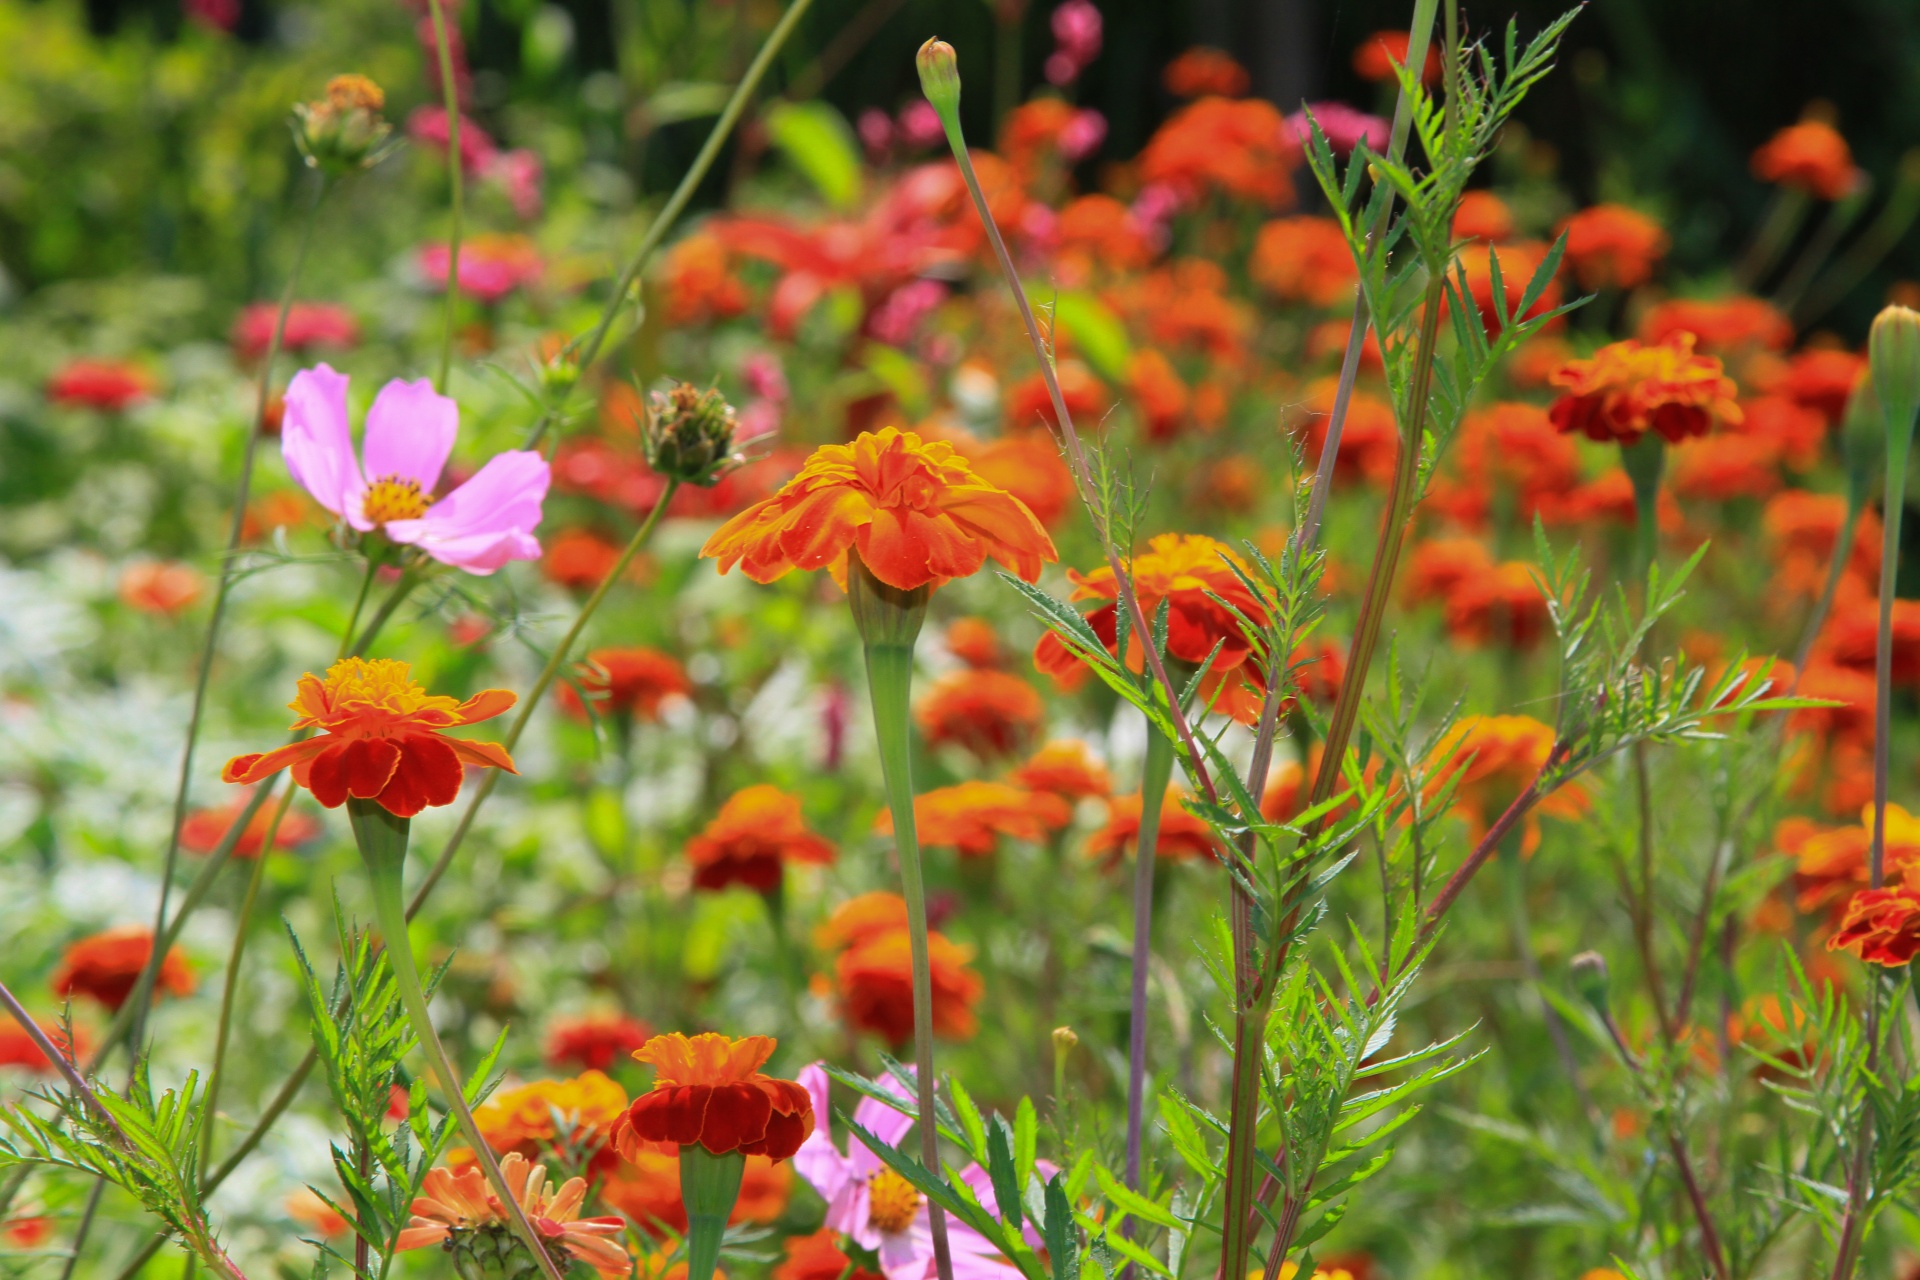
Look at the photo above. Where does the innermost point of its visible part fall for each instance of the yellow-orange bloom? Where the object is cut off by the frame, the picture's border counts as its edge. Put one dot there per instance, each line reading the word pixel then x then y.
pixel 1612 245
pixel 989 713
pixel 1182 836
pixel 522 1119
pixel 757 831
pixel 1303 259
pixel 452 1206
pixel 1810 156
pixel 971 817
pixel 915 511
pixel 380 739
pixel 1495 758
pixel 1066 768
pixel 1628 389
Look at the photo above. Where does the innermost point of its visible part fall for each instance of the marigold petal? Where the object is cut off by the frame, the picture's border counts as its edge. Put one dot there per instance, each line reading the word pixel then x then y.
pixel 358 767
pixel 485 755
pixel 675 1114
pixel 485 705
pixel 252 768
pixel 428 773
pixel 737 1115
pixel 906 548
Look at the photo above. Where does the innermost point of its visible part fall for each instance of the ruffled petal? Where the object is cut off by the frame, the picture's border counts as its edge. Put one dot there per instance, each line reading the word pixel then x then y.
pixel 736 1118
pixel 428 775
pixel 409 433
pixel 252 768
pixel 1010 533
pixel 317 442
pixel 814 531
pixel 905 548
pixel 357 767
pixel 673 1115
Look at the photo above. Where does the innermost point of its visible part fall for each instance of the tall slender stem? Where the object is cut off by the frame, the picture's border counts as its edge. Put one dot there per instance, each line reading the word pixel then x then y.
pixel 1154 776
pixel 450 95
pixel 1899 442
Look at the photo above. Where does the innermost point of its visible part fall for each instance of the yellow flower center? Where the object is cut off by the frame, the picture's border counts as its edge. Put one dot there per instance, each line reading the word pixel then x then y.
pixel 392 498
pixel 383 684
pixel 891 1202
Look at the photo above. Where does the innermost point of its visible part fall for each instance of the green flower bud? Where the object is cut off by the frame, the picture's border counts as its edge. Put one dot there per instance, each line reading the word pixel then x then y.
pixel 343 131
pixel 1591 979
pixel 689 435
pixel 1893 350
pixel 940 77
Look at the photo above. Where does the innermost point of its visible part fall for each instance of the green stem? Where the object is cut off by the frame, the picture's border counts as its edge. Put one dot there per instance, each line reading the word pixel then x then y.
pixel 1644 459
pixel 1865 253
pixel 383 847
pixel 709 1188
pixel 1155 773
pixel 1777 228
pixel 1899 443
pixel 455 181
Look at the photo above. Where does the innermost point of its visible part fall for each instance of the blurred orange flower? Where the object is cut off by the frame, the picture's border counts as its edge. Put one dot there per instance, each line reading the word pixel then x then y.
pixel 1719 324
pixel 874 972
pixel 1495 758
pixel 105 966
pixel 1159 392
pixel 594 1041
pixel 632 681
pixel 1375 57
pixel 17 1048
pixel 974 642
pixel 1236 147
pixel 1182 836
pixel 697 277
pixel 204 829
pixel 1202 72
pixel 989 713
pixel 1822 379
pixel 1627 389
pixel 1810 156
pixel 1723 467
pixel 1519 261
pixel 756 833
pixel 1304 259
pixel 972 817
pixel 1030 404
pixel 1482 215
pixel 645 1186
pixel 569 1118
pixel 157 586
pixel 1066 768
pixel 1028 466
pixel 1500 604
pixel 1612 246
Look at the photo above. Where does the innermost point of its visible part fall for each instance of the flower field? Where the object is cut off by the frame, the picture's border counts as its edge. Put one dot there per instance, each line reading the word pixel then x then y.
pixel 630 674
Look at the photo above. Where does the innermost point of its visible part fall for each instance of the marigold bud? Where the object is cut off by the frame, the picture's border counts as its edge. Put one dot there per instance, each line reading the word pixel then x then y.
pixel 1591 979
pixel 343 131
pixel 689 434
pixel 940 77
pixel 1893 350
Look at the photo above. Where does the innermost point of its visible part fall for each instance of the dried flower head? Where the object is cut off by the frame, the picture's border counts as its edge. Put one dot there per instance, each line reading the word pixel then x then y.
pixel 344 130
pixel 689 435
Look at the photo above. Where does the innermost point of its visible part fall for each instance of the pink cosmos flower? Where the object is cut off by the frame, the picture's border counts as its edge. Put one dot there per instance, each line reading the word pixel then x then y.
pixel 478 527
pixel 877 1207
pixel 1345 127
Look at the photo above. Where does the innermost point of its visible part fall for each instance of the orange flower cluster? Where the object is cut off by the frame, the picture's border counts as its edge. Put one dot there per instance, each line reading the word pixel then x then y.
pixel 1628 389
pixel 988 713
pixel 1234 147
pixel 1822 379
pixel 595 1041
pixel 915 511
pixel 572 1119
pixel 204 829
pixel 630 682
pixel 1096 234
pixel 1509 452
pixel 972 817
pixel 749 842
pixel 1369 442
pixel 1182 836
pixel 874 972
pixel 1612 246
pixel 708 1090
pixel 1802 528
pixel 1485 603
pixel 106 966
pixel 1494 759
pixel 1304 259
pixel 1810 156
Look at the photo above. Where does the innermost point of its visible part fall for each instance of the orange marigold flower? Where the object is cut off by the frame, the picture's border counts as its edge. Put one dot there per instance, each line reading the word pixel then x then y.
pixel 756 833
pixel 1201 72
pixel 307 1208
pixel 1798 522
pixel 1185 570
pixel 1495 758
pixel 1514 446
pixel 1822 379
pixel 631 681
pixel 1238 147
pixel 1028 466
pixel 1483 215
pixel 860 918
pixel 875 980
pixel 1721 468
pixel 1627 389
pixel 380 739
pixel 17 1048
pixel 204 829
pixel 1501 604
pixel 971 817
pixel 523 1119
pixel 1612 246
pixel 594 1041
pixel 1304 259
pixel 578 560
pixel 1439 565
pixel 1796 433
pixel 1719 324
pixel 1029 403
pixel 1810 156
pixel 1375 57
pixel 916 512
pixel 646 1187
pixel 1831 863
pixel 1369 442
pixel 1066 768
pixel 1327 341
pixel 154 586
pixel 708 1090
pixel 105 967
pixel 989 713
pixel 819 1257
pixel 1182 836
pixel 1159 392
pixel 1518 263
pixel 1881 926
pixel 1097 231
pixel 974 642
pixel 453 1206
pixel 1852 636
pixel 698 281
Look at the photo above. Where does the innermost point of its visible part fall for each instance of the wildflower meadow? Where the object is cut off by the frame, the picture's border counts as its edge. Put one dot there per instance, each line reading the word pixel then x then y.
pixel 620 657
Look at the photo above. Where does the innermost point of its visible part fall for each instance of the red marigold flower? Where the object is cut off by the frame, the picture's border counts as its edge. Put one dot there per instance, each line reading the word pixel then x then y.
pixel 1719 324
pixel 756 833
pixel 1852 688
pixel 1810 156
pixel 1182 836
pixel 1881 926
pixel 1238 147
pixel 1831 863
pixel 1798 434
pixel 1201 72
pixel 875 980
pixel 1612 246
pixel 1159 392
pixel 697 277
pixel 633 681
pixel 819 1257
pixel 1822 379
pixel 307 1208
pixel 1375 57
pixel 915 511
pixel 105 967
pixel 156 586
pixel 523 1120
pixel 1852 636
pixel 593 1041
pixel 204 829
pixel 975 642
pixel 972 817
pixel 1327 342
pixel 646 1187
pixel 989 713
pixel 1627 389
pixel 708 1090
pixel 1495 758
pixel 1187 571
pixel 1500 604
pixel 1304 259
pixel 29 1231
pixel 1030 403
pixel 1066 768
pixel 380 739
pixel 1098 233
pixel 1483 215
pixel 1516 447
pixel 1800 523
pixel 578 560
pixel 862 917
pixel 310 325
pixel 107 385
pixel 17 1048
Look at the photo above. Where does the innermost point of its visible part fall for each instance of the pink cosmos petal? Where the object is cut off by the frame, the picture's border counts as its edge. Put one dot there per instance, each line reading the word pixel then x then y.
pixel 818 1160
pixel 487 521
pixel 409 433
pixel 316 441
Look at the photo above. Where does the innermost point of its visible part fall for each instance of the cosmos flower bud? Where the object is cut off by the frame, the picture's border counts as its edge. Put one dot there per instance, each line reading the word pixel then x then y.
pixel 1591 979
pixel 343 131
pixel 940 77
pixel 689 434
pixel 1893 349
pixel 1064 1041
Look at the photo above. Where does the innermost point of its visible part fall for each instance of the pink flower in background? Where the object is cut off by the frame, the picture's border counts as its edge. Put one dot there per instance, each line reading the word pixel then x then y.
pixel 519 174
pixel 491 266
pixel 217 15
pixel 919 124
pixel 309 325
pixel 107 385
pixel 427 126
pixel 1076 39
pixel 1083 135
pixel 1345 127
pixel 898 316
pixel 1152 212
pixel 409 435
pixel 764 377
pixel 875 128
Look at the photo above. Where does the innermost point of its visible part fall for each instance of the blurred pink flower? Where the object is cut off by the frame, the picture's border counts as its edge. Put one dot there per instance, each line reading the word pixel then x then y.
pixel 919 124
pixel 900 313
pixel 1083 135
pixel 764 377
pixel 427 126
pixel 1345 127
pixel 309 324
pixel 409 435
pixel 519 173
pixel 219 15
pixel 1076 36
pixel 875 128
pixel 491 266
